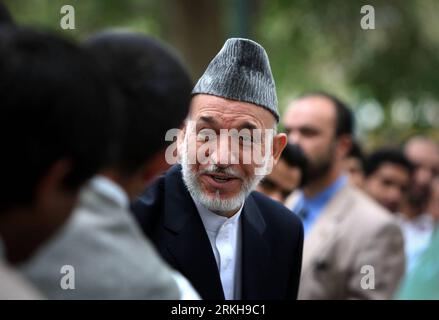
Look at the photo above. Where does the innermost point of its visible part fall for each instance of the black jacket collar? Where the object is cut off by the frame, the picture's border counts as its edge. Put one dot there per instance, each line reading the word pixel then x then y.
pixel 191 248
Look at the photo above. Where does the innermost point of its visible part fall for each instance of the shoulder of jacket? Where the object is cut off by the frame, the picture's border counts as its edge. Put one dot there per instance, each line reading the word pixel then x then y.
pixel 275 211
pixel 366 210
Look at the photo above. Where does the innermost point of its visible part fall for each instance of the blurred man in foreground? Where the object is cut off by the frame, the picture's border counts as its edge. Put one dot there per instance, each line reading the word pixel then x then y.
pixel 102 240
pixel 57 128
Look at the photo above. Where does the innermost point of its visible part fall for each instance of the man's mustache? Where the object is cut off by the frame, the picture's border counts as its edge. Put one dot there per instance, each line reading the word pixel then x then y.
pixel 223 170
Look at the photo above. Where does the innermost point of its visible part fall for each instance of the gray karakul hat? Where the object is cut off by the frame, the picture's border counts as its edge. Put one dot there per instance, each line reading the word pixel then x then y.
pixel 241 71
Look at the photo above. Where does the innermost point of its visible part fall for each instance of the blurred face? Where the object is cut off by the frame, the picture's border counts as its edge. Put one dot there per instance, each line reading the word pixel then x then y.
pixel 425 156
pixel 226 176
pixel 388 185
pixel 310 123
pixel 433 206
pixel 355 171
pixel 279 184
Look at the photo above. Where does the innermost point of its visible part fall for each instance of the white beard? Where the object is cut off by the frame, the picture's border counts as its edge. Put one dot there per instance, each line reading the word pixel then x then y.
pixel 215 203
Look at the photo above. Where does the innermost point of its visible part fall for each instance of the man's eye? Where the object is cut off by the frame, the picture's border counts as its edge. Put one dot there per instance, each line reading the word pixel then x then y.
pixel 308 132
pixel 205 134
pixel 246 139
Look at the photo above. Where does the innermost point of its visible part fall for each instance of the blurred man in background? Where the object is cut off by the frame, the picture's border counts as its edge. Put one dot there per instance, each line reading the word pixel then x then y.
pixel 57 129
pixel 344 229
pixel 354 165
pixel 288 175
pixel 424 154
pixel 388 177
pixel 416 221
pixel 102 240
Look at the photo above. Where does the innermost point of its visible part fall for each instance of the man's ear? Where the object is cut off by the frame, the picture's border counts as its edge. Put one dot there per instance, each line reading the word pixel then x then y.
pixel 279 143
pixel 156 165
pixel 343 146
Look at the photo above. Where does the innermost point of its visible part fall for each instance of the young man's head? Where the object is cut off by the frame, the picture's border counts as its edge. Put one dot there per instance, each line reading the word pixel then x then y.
pixel 156 88
pixel 423 152
pixel 354 165
pixel 388 176
pixel 288 175
pixel 322 126
pixel 56 130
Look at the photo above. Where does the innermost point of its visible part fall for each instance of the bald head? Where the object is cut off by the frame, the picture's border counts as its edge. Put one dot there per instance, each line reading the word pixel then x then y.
pixel 322 126
pixel 423 152
pixel 342 120
pixel 421 143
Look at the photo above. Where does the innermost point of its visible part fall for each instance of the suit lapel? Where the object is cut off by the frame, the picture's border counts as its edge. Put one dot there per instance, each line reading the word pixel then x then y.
pixel 325 231
pixel 255 252
pixel 189 244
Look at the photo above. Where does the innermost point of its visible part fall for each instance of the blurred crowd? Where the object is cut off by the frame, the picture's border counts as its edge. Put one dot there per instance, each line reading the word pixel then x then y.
pixel 82 134
pixel 323 161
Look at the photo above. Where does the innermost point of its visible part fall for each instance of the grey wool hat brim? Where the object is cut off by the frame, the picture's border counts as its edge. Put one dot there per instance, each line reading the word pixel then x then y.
pixel 241 71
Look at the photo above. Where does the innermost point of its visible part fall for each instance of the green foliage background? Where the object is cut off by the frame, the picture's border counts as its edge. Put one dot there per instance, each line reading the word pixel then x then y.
pixel 389 75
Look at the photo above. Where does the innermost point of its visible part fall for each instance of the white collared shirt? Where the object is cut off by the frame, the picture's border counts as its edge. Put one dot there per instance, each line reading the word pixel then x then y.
pixel 225 238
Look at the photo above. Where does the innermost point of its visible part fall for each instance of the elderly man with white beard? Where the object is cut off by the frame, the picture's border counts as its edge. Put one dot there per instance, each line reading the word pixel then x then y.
pixel 231 242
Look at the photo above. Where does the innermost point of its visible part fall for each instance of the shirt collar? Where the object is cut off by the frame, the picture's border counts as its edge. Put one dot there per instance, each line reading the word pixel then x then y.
pixel 110 189
pixel 212 221
pixel 320 199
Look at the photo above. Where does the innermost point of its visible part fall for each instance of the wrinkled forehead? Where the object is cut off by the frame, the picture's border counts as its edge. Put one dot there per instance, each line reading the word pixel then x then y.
pixel 229 114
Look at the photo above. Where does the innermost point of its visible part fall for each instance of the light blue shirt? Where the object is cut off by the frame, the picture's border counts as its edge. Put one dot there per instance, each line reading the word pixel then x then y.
pixel 312 207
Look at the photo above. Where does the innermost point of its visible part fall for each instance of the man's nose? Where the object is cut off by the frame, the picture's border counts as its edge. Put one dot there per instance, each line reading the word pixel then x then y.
pixel 294 137
pixel 221 155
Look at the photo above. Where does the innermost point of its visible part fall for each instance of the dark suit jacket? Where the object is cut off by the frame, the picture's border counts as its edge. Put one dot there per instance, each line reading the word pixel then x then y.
pixel 272 240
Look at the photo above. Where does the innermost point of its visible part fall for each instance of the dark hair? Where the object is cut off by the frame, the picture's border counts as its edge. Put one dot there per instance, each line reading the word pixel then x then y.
pixel 356 152
pixel 387 155
pixel 295 157
pixel 55 104
pixel 156 88
pixel 345 122
pixel 5 16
